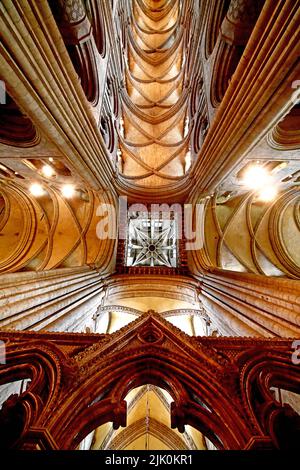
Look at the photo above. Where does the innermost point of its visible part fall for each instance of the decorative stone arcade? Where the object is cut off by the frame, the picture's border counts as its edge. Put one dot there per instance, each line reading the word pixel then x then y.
pixel 221 386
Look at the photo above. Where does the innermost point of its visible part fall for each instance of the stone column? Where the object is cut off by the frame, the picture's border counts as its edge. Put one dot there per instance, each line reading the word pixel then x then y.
pixel 250 109
pixel 32 47
pixel 57 300
pixel 251 305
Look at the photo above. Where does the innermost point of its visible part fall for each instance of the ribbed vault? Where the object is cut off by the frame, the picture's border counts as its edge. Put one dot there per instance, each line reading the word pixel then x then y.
pixel 154 134
pixel 148 426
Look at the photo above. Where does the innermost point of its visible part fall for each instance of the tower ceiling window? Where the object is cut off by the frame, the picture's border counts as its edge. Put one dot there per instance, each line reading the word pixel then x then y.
pixel 151 241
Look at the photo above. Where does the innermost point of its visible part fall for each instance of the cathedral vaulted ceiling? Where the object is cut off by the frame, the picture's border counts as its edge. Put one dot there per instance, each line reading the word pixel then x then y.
pixel 154 133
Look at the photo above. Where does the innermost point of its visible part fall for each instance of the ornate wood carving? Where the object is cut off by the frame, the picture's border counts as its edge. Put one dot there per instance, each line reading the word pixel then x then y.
pixel 219 385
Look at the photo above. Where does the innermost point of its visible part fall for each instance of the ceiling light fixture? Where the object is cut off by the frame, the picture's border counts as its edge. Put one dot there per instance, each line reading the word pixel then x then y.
pixel 36 189
pixel 267 194
pixel 47 171
pixel 68 191
pixel 256 177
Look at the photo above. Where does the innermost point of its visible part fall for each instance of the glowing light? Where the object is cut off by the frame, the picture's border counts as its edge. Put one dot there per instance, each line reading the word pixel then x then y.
pixel 51 159
pixel 36 189
pixel 268 193
pixel 47 171
pixel 68 191
pixel 256 177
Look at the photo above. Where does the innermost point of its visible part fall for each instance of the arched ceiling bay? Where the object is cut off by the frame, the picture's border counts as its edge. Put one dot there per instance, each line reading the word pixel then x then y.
pixel 148 426
pixel 153 140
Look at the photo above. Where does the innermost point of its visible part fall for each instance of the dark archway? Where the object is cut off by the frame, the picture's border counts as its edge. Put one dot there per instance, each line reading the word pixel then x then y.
pixel 220 386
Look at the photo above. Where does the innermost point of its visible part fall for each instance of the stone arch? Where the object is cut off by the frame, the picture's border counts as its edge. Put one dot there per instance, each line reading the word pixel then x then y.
pixel 218 385
pixel 185 409
pixel 258 376
pixel 16 129
pixel 217 11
